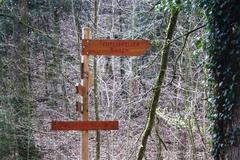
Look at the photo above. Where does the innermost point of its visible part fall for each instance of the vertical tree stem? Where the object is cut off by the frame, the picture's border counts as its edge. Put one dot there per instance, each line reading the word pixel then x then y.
pixel 95 83
pixel 157 87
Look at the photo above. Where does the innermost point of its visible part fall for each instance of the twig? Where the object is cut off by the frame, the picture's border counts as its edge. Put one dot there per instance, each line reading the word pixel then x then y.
pixel 157 3
pixel 177 58
pixel 188 33
pixel 184 44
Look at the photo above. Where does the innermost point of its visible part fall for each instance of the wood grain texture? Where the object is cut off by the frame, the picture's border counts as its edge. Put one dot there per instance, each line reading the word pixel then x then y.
pixel 85 143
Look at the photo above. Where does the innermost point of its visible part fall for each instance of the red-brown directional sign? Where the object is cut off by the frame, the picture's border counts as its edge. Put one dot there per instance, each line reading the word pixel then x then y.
pixel 115 47
pixel 84 125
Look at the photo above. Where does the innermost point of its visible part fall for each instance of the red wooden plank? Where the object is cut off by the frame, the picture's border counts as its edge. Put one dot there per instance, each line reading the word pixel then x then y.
pixel 80 89
pixel 84 125
pixel 115 47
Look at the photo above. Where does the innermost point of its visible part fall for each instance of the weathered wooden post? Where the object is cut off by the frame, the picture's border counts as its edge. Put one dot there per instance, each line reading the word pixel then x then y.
pixel 86 35
pixel 96 47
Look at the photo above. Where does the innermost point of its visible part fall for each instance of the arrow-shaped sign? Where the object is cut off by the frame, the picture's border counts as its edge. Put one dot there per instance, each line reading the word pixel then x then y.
pixel 115 47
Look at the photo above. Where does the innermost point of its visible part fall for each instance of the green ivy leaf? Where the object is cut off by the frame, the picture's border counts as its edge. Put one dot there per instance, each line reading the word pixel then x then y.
pixel 198 43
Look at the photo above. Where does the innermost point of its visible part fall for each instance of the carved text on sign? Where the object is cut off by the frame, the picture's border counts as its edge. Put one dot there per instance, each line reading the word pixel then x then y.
pixel 115 47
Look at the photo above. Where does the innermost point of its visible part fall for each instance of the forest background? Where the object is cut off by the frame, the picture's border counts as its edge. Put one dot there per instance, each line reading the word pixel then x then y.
pixel 40 65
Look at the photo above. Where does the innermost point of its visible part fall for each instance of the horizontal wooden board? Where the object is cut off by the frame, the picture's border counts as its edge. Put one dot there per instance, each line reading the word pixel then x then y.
pixel 115 47
pixel 84 125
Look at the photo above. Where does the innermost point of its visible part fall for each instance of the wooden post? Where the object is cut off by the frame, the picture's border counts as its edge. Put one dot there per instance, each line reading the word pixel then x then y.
pixel 86 35
pixel 96 47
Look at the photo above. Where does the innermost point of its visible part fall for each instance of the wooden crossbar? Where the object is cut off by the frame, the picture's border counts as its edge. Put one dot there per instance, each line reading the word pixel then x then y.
pixel 84 125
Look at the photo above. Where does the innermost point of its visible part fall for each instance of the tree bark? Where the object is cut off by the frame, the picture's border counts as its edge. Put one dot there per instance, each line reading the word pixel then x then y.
pixel 95 83
pixel 157 87
pixel 224 66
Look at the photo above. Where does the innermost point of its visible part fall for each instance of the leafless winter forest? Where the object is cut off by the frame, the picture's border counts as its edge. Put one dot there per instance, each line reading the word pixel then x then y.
pixel 161 99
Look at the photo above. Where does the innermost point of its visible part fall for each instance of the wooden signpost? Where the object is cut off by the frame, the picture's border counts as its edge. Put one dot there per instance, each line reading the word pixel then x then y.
pixel 96 47
pixel 84 125
pixel 115 47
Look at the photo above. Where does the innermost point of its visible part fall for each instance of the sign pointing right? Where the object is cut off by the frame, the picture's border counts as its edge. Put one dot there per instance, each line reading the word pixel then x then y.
pixel 115 47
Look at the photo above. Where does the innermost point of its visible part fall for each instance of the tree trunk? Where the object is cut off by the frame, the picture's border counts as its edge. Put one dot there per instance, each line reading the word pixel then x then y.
pixel 96 104
pixel 159 139
pixel 157 87
pixel 22 86
pixel 224 66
